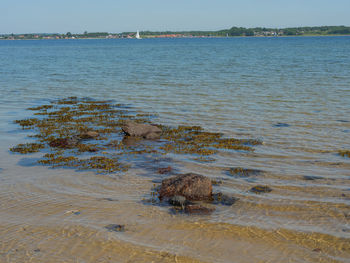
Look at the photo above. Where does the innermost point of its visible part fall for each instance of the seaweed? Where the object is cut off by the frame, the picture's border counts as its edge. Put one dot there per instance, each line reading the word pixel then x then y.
pixel 345 153
pixel 244 172
pixel 65 127
pixel 25 148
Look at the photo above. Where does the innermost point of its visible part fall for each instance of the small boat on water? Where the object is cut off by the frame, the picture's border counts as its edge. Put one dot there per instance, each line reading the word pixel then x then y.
pixel 137 35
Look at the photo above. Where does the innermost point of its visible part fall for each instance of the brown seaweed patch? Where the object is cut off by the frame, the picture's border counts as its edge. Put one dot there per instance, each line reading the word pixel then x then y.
pixel 345 153
pixel 261 189
pixel 193 140
pixel 27 123
pixel 87 147
pixel 25 148
pixel 244 172
pixel 43 107
pixel 57 160
pixel 103 164
pixel 65 125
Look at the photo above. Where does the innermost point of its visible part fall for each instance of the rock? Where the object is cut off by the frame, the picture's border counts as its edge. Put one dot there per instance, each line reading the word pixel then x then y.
pixel 311 177
pixel 281 124
pixel 164 170
pixel 223 199
pixel 261 189
pixel 146 131
pixel 115 227
pixel 198 209
pixel 178 200
pixel 193 187
pixel 64 143
pixel 89 135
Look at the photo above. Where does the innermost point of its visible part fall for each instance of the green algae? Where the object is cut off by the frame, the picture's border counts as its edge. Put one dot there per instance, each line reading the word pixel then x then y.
pixel 82 133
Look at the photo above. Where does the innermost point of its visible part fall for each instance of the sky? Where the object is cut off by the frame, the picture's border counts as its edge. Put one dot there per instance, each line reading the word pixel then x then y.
pixel 114 16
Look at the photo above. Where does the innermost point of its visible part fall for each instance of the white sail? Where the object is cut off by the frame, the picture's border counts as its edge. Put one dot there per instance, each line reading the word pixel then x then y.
pixel 138 35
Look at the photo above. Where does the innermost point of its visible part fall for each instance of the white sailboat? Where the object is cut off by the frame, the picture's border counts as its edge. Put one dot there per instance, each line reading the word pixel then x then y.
pixel 137 35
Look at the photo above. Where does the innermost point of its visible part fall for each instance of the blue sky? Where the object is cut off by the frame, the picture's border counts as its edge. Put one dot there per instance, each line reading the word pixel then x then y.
pixel 76 16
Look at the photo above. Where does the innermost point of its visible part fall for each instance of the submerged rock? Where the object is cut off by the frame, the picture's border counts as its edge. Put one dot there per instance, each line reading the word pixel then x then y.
pixel 164 170
pixel 261 189
pixel 115 227
pixel 193 187
pixel 178 200
pixel 311 177
pixel 64 143
pixel 223 199
pixel 89 135
pixel 281 124
pixel 146 131
pixel 198 209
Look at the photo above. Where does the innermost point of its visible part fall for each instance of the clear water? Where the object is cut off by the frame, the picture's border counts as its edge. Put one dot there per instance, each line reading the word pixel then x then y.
pixel 292 93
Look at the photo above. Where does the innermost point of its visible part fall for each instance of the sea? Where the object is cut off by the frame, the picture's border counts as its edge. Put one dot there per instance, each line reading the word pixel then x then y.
pixel 290 93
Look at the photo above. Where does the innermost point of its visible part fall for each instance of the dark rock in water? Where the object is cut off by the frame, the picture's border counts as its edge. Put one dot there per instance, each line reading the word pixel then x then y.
pixel 178 200
pixel 223 199
pixel 89 135
pixel 280 124
pixel 146 131
pixel 64 143
pixel 311 177
pixel 164 170
pixel 115 227
pixel 261 189
pixel 109 199
pixel 198 209
pixel 192 186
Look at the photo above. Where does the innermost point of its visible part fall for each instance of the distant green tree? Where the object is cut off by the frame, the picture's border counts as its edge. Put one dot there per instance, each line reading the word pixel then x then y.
pixel 69 34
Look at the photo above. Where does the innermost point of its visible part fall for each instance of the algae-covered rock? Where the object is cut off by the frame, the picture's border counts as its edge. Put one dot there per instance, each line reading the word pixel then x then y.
pixel 191 186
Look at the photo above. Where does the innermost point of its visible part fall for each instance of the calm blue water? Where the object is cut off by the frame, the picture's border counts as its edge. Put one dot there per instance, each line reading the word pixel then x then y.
pixel 292 93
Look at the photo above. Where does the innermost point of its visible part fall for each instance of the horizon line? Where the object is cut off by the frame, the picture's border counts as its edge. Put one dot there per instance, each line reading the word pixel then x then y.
pixel 191 30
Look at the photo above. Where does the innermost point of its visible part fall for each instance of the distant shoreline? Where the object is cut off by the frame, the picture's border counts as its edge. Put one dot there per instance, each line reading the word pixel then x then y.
pixel 231 32
pixel 184 37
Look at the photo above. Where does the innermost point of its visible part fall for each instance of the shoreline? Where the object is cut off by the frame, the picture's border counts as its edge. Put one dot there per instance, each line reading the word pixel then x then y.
pixel 201 37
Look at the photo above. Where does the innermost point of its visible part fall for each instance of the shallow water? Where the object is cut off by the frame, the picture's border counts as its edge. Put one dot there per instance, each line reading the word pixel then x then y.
pixel 292 93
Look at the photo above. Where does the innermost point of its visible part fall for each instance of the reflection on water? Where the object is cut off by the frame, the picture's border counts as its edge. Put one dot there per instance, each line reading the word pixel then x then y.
pixel 292 93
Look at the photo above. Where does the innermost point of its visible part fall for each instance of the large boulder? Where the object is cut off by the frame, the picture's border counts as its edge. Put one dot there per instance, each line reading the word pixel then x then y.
pixel 147 131
pixel 193 187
